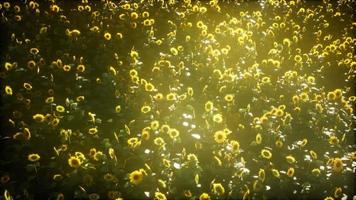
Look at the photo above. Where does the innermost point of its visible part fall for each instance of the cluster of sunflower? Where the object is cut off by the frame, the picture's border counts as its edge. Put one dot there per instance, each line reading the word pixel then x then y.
pixel 177 99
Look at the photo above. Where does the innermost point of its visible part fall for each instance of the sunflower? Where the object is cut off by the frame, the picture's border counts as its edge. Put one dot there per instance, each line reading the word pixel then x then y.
pixel 261 175
pixel 60 108
pixel 264 119
pixel 220 136
pixel 4 179
pixel 158 96
pixel 145 14
pixel 149 87
pixel 31 64
pixel 235 146
pixel 79 155
pixel 290 159
pixel 8 66
pixel 318 98
pixel 27 133
pixel 174 51
pixel 331 96
pixel 217 118
pixel 337 192
pixel 94 196
pixel 311 79
pixel 319 107
pixel 279 112
pixel 27 86
pixel 173 133
pixel 265 153
pixel 133 72
pixel 303 142
pixel 118 109
pixel 295 99
pixel 313 154
pixel 275 173
pixel 145 109
pixel 279 143
pixel 92 131
pixel 33 157
pixel 92 152
pixel 114 195
pixel 171 96
pixel 165 128
pixel 209 106
pixel 8 90
pixel 159 141
pixel 136 177
pixel 266 80
pixel 204 196
pixel 338 93
pixel 107 36
pixel 133 142
pixel 145 134
pixel 49 100
pixel 192 158
pixel 258 138
pixel 74 162
pixel 134 15
pixel 352 98
pixel 155 125
pixel 190 91
pixel 229 97
pixel 218 189
pixel 304 97
pixel 298 58
pixel 147 22
pixel 187 193
pixel 290 172
pixel 109 177
pixel 67 68
pixel 38 117
pixel 160 196
pixel 333 140
pixel 337 165
pixel 316 172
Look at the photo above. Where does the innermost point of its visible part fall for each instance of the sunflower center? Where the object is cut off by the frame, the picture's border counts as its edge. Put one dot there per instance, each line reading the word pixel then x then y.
pixel 136 177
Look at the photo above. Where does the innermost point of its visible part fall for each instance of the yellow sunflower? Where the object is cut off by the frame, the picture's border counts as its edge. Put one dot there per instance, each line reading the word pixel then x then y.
pixel 337 165
pixel 33 157
pixel 266 154
pixel 220 136
pixel 204 196
pixel 74 162
pixel 218 189
pixel 160 196
pixel 136 177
